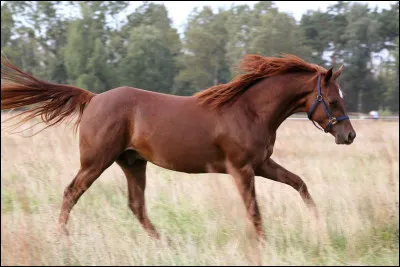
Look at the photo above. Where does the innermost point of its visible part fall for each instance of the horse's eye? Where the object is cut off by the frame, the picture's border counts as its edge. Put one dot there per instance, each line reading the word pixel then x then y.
pixel 333 102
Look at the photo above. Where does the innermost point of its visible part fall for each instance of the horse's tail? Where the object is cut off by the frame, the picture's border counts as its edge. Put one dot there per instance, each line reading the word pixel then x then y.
pixel 52 102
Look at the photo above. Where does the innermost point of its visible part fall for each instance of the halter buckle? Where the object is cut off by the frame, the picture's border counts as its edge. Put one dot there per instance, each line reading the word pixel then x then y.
pixel 319 98
pixel 333 121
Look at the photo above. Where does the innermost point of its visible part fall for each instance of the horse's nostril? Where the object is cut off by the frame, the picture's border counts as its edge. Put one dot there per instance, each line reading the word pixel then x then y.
pixel 352 135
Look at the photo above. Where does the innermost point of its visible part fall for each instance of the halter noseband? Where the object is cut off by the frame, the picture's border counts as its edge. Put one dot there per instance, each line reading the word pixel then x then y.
pixel 320 99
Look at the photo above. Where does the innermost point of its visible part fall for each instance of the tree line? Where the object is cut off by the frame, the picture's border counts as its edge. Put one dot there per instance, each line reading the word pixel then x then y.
pixel 87 44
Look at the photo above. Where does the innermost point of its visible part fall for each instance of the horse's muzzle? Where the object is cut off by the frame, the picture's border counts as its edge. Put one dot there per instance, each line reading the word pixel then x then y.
pixel 345 139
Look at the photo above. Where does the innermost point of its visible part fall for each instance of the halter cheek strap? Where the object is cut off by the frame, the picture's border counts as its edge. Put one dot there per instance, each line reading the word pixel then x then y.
pixel 320 99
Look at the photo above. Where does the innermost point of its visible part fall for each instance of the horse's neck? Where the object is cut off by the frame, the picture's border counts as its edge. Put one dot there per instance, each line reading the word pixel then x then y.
pixel 274 99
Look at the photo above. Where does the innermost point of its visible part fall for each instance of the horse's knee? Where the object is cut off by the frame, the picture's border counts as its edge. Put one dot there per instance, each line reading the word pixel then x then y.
pixel 301 186
pixel 67 190
pixel 298 184
pixel 135 207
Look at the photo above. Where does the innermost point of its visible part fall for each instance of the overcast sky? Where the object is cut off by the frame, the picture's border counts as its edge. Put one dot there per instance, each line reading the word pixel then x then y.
pixel 179 11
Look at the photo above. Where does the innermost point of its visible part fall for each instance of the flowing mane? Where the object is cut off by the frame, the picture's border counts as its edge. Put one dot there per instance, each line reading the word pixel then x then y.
pixel 255 67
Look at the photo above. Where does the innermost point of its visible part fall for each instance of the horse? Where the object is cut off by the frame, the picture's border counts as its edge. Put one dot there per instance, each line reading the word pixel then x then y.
pixel 228 128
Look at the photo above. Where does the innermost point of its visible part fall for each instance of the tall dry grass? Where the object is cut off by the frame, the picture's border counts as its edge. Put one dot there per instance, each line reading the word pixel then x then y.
pixel 355 188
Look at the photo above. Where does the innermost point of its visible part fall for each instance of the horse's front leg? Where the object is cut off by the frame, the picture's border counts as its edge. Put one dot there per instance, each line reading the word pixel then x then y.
pixel 244 180
pixel 272 170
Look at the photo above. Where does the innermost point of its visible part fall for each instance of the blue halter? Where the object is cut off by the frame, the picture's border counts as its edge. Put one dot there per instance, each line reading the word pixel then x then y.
pixel 320 99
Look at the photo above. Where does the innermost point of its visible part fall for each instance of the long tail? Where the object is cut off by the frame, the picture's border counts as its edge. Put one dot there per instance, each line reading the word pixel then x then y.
pixel 53 102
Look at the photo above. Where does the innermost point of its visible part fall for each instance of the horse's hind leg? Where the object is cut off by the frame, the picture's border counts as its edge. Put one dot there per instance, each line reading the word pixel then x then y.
pixel 81 182
pixel 135 172
pixel 93 163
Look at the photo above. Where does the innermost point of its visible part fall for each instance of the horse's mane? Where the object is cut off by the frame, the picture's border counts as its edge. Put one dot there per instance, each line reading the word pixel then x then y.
pixel 255 67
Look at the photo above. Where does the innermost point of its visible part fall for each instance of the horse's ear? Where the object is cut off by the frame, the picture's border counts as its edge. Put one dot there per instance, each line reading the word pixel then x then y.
pixel 328 75
pixel 337 73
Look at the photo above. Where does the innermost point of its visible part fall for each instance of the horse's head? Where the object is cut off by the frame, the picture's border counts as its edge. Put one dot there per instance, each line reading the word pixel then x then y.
pixel 327 108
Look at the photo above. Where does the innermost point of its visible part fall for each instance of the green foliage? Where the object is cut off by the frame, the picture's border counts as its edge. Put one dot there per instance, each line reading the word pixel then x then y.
pixel 75 58
pixel 90 81
pixel 7 25
pixel 315 27
pixel 277 33
pixel 93 47
pixel 149 63
pixel 352 32
pixel 390 77
pixel 203 62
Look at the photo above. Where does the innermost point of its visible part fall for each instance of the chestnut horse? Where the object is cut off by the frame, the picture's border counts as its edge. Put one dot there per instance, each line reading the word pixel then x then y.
pixel 228 128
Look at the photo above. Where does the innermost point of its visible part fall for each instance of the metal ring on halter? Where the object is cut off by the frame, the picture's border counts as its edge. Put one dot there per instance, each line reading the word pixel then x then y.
pixel 333 121
pixel 319 98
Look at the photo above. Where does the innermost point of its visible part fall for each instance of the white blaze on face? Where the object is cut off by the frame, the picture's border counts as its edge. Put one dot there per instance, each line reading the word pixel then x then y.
pixel 340 92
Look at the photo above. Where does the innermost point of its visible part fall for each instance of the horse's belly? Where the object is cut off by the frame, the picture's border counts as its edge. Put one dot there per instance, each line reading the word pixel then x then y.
pixel 200 158
pixel 189 166
pixel 190 159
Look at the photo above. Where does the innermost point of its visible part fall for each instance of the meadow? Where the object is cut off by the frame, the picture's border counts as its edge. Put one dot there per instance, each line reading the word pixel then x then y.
pixel 202 218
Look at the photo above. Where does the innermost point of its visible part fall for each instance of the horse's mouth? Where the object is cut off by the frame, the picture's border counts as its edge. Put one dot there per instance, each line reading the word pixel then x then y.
pixel 343 141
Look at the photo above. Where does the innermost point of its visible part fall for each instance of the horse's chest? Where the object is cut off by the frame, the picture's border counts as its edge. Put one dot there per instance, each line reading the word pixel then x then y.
pixel 269 149
pixel 259 153
pixel 250 148
pixel 265 151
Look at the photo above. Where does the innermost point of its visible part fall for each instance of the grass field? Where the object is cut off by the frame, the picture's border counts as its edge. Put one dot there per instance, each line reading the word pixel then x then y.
pixel 355 188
